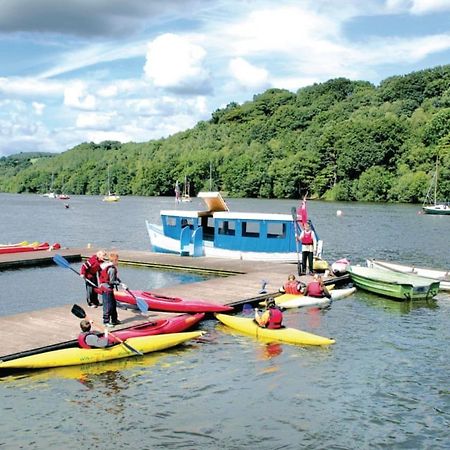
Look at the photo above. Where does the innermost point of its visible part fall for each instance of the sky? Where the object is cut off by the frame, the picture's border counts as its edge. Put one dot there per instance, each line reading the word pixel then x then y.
pixel 78 71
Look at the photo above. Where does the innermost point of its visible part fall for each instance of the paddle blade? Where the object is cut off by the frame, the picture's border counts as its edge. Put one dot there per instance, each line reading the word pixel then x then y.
pixel 61 261
pixel 78 311
pixel 141 304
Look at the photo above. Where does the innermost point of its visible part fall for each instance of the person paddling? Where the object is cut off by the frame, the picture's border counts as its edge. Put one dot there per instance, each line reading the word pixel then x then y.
pixel 271 318
pixel 89 338
pixel 292 286
pixel 317 288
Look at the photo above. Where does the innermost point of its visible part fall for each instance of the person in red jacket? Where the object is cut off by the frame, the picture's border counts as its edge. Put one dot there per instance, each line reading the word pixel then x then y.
pixel 271 318
pixel 109 280
pixel 89 338
pixel 317 288
pixel 89 272
pixel 309 242
pixel 292 286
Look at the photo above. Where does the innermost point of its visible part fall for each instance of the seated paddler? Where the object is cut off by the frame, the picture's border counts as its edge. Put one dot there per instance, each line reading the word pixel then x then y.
pixel 271 317
pixel 89 338
pixel 293 286
pixel 317 288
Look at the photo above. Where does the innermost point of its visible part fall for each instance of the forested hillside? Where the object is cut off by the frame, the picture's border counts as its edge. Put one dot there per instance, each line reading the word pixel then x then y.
pixel 342 139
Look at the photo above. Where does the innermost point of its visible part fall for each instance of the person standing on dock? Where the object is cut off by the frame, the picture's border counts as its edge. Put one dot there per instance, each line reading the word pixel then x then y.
pixel 89 272
pixel 271 318
pixel 309 242
pixel 109 280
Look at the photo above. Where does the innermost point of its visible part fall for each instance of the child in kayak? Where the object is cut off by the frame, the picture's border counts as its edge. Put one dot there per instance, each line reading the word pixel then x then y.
pixel 89 338
pixel 271 318
pixel 293 286
pixel 317 288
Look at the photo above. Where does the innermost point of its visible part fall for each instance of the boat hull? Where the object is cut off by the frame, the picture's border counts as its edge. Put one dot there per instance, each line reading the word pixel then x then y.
pixel 169 304
pixel 76 356
pixel 441 210
pixel 287 335
pixel 160 326
pixel 297 301
pixel 437 275
pixel 394 285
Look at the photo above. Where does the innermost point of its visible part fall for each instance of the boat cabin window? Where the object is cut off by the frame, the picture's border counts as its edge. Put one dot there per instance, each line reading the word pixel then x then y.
pixel 227 227
pixel 171 221
pixel 276 230
pixel 187 223
pixel 250 229
pixel 208 225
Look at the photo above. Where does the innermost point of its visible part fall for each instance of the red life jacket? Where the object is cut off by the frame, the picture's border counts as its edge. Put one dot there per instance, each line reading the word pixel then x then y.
pixel 291 287
pixel 315 289
pixel 103 277
pixel 90 267
pixel 276 317
pixel 307 238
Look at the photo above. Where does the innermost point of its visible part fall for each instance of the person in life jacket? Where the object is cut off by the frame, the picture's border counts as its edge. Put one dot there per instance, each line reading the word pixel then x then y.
pixel 89 338
pixel 292 286
pixel 309 242
pixel 89 272
pixel 109 280
pixel 317 288
pixel 271 318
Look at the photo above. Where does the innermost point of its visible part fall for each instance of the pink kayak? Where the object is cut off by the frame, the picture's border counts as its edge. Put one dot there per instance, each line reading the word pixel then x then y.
pixel 29 248
pixel 160 326
pixel 158 302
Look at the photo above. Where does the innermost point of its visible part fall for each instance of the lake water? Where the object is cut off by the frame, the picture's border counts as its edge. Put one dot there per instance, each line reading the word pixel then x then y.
pixel 384 384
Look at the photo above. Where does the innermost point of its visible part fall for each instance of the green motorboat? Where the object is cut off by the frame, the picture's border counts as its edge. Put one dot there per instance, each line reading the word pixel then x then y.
pixel 400 286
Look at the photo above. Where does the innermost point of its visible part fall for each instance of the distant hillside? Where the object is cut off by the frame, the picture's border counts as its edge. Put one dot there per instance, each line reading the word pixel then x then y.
pixel 342 139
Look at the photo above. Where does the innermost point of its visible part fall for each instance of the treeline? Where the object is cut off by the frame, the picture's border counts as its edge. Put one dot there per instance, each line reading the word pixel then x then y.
pixel 338 140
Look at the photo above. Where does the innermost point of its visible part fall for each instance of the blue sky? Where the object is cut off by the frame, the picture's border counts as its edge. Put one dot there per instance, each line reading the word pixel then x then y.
pixel 77 71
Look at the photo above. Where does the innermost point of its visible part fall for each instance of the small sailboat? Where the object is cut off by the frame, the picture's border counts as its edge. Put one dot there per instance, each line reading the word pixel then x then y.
pixel 430 204
pixel 186 197
pixel 110 197
pixel 51 193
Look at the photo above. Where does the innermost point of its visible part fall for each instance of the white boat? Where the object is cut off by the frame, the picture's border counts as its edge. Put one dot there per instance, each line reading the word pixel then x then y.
pixel 110 197
pixel 298 301
pixel 186 191
pixel 433 274
pixel 430 204
pixel 218 232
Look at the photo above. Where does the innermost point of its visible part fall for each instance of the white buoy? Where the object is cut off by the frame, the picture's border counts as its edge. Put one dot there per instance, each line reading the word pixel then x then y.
pixel 339 212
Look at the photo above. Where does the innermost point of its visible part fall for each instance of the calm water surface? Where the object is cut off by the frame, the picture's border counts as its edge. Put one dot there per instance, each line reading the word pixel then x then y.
pixel 384 384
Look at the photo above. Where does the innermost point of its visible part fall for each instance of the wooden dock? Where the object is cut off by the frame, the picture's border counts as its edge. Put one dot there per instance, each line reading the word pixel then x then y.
pixel 238 282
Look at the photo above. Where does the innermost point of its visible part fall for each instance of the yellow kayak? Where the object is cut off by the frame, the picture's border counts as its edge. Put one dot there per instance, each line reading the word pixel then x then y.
pixel 75 356
pixel 288 335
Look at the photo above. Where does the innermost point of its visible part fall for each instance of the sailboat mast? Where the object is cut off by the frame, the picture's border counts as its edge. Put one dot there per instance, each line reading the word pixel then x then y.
pixel 436 180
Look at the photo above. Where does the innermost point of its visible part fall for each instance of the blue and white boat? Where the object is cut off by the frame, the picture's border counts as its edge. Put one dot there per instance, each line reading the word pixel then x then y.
pixel 220 233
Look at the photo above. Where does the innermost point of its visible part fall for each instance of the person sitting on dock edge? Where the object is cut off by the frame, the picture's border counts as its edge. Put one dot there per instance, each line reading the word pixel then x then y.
pixel 271 318
pixel 89 338
pixel 293 286
pixel 317 288
pixel 109 280
pixel 89 272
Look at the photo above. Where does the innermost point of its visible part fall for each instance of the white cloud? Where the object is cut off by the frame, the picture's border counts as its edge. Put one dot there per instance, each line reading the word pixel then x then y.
pixel 173 62
pixel 38 108
pixel 27 86
pixel 93 121
pixel 76 96
pixel 247 74
pixel 429 6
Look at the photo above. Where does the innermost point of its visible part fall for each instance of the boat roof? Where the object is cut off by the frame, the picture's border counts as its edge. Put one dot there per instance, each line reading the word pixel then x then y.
pixel 214 201
pixel 253 216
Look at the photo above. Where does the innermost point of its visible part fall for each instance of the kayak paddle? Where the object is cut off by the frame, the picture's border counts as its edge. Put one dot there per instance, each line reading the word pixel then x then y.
pixel 62 262
pixel 141 304
pixel 79 312
pixel 294 218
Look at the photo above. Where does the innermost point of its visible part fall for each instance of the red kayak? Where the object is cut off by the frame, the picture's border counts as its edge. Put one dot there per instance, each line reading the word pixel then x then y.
pixel 170 304
pixel 160 326
pixel 29 248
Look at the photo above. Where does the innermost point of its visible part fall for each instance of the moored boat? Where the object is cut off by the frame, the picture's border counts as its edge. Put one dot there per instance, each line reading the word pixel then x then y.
pixel 75 356
pixel 219 232
pixel 169 304
pixel 287 335
pixel 431 204
pixel 297 301
pixel 400 286
pixel 438 275
pixel 160 326
pixel 36 246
